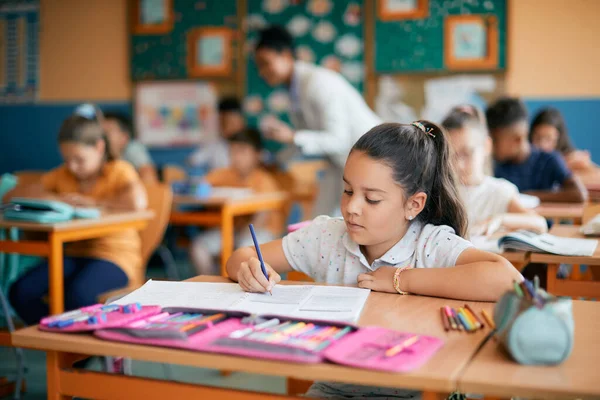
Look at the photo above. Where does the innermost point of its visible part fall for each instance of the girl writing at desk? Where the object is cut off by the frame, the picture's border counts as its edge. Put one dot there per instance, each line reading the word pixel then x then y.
pixel 403 226
pixel 89 177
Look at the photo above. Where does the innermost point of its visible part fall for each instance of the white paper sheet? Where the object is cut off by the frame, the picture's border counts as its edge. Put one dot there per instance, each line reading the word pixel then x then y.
pixel 335 303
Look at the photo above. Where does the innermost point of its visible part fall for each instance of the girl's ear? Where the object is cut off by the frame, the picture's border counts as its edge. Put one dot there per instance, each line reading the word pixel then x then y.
pixel 414 205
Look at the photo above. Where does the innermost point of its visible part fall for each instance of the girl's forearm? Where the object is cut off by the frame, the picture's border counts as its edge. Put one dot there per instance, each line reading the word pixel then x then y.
pixel 481 281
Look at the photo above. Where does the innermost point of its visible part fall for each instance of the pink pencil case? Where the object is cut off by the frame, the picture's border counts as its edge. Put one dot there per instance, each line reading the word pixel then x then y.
pixel 98 316
pixel 369 344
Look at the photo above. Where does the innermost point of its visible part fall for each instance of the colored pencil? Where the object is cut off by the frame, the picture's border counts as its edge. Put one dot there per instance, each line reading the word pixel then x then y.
pixel 392 351
pixel 445 321
pixel 518 290
pixel 488 319
pixel 451 318
pixel 472 318
pixel 460 326
pixel 464 321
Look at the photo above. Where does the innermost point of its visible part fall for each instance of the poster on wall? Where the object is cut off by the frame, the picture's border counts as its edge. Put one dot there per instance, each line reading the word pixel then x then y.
pixel 175 113
pixel 19 51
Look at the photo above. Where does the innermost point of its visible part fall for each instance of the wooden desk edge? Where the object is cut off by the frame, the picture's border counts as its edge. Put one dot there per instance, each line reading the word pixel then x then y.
pixel 26 338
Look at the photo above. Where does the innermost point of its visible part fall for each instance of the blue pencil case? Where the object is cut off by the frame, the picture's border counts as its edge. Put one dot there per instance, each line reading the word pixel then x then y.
pixel 46 211
pixel 535 330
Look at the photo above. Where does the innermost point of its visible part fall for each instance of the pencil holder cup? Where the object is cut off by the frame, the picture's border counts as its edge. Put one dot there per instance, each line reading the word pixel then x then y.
pixel 535 331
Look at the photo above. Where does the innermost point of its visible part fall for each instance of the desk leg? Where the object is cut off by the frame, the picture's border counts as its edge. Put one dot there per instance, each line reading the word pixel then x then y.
pixel 56 278
pixel 54 363
pixel 551 278
pixel 226 238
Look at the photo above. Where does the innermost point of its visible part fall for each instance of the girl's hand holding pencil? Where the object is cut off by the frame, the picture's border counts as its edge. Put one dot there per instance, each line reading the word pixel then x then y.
pixel 252 279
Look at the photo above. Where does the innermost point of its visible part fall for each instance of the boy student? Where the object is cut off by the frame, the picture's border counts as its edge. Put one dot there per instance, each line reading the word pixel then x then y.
pixel 533 171
pixel 119 131
pixel 327 113
pixel 245 149
pixel 215 154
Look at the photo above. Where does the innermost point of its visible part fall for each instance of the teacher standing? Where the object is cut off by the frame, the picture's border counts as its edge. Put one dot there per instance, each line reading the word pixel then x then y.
pixel 328 114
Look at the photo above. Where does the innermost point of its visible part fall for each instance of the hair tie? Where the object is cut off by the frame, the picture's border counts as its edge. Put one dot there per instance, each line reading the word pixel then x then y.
pixel 427 131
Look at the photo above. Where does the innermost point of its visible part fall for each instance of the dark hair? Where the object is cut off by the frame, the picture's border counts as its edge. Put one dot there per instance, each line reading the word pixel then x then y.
pixel 551 116
pixel 421 162
pixel 505 112
pixel 276 38
pixel 83 130
pixel 249 136
pixel 122 120
pixel 230 104
pixel 458 119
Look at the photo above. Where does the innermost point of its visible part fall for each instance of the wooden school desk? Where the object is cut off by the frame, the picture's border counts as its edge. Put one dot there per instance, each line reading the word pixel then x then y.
pixel 60 233
pixel 411 313
pixel 221 212
pixel 561 211
pixel 567 287
pixel 492 373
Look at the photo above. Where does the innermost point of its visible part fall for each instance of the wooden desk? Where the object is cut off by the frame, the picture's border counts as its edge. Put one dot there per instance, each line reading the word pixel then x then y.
pixel 414 313
pixel 519 259
pixel 561 211
pixel 63 232
pixel 221 212
pixel 568 287
pixel 493 373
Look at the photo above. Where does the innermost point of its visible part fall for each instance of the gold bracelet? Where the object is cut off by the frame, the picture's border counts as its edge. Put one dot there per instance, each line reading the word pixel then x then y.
pixel 397 279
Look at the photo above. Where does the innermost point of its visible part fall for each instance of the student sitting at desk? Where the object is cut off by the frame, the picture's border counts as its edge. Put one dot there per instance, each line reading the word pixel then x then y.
pixel 119 130
pixel 492 204
pixel 402 231
pixel 549 133
pixel 215 154
pixel 533 171
pixel 245 171
pixel 90 177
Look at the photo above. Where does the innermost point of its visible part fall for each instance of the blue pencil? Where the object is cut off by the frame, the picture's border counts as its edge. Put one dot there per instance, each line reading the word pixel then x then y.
pixel 259 254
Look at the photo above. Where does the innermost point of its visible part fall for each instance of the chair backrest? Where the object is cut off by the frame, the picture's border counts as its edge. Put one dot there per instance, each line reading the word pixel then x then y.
pixel 173 173
pixel 28 177
pixel 160 199
pixel 590 211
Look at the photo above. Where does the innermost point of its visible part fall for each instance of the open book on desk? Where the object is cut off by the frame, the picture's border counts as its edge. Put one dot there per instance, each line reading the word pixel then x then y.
pixel 546 243
pixel 331 303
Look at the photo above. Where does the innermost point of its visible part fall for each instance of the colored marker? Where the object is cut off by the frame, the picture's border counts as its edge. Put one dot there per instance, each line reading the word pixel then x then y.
pixel 474 314
pixel 463 320
pixel 243 332
pixel 488 319
pixel 391 352
pixel 518 290
pixel 445 321
pixel 337 336
pixel 451 318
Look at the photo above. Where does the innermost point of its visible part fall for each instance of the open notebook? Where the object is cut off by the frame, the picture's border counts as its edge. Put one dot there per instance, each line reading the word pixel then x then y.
pixel 331 303
pixel 546 243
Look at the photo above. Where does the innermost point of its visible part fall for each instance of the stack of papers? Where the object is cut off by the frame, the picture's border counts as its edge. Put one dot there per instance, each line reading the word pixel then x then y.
pixel 332 303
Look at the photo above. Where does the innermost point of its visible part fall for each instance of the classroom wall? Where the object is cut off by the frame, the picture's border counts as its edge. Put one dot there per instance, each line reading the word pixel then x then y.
pixel 551 60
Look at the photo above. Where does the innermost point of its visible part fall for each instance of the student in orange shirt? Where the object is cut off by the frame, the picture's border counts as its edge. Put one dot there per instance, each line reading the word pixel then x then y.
pixel 89 178
pixel 245 172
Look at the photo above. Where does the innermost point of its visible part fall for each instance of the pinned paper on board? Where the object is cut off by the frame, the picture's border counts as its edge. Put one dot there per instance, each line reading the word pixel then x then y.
pixel 175 114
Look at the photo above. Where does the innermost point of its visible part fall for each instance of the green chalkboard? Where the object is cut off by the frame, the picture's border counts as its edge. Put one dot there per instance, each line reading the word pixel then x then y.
pixel 326 32
pixel 418 45
pixel 164 56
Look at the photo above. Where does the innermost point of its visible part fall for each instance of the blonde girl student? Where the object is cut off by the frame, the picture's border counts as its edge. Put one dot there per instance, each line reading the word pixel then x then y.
pixel 401 216
pixel 89 177
pixel 492 204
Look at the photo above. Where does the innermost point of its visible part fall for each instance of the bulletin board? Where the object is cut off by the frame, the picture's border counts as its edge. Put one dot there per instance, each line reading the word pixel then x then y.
pixel 19 51
pixel 326 32
pixel 417 45
pixel 164 55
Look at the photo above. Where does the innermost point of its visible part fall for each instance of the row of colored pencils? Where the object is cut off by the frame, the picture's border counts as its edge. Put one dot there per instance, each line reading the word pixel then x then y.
pixel 464 319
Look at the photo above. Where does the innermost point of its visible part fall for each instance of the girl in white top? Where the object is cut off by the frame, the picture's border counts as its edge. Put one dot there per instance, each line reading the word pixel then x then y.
pixel 400 208
pixel 492 204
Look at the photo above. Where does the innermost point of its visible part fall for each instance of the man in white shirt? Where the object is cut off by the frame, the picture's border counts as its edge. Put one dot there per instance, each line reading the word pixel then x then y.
pixel 327 113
